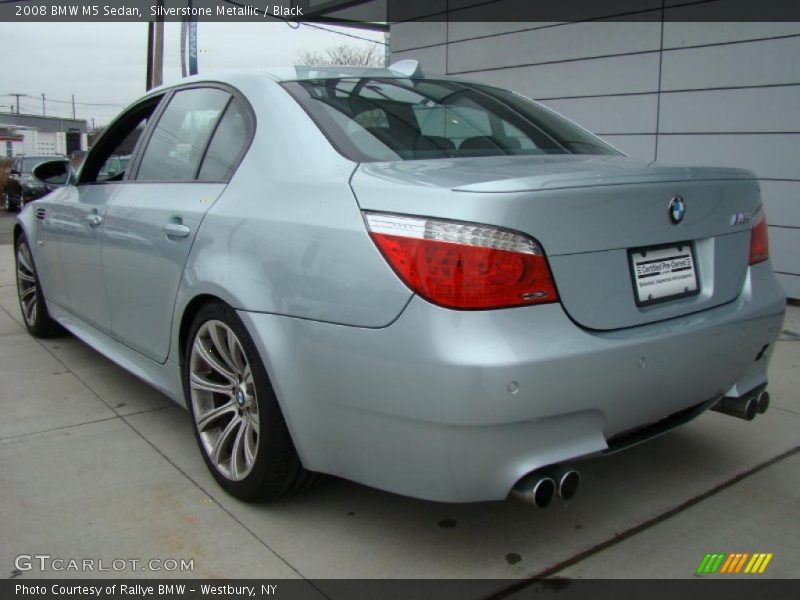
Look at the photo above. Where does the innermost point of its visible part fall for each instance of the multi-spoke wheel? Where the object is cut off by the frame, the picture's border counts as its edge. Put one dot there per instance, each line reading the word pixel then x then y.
pixel 238 422
pixel 31 301
pixel 224 400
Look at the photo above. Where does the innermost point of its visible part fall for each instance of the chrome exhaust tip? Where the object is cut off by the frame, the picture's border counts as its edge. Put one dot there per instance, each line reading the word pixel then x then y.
pixel 567 480
pixel 568 484
pixel 762 401
pixel 536 489
pixel 744 407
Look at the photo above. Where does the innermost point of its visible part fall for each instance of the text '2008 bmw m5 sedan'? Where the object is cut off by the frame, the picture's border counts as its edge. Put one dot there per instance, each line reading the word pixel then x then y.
pixel 426 285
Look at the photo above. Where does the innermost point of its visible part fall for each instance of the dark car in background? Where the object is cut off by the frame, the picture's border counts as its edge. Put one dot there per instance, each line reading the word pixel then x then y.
pixel 22 187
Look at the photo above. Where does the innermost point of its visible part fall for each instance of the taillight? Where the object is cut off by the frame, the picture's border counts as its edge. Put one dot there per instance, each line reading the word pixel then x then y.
pixel 759 242
pixel 463 265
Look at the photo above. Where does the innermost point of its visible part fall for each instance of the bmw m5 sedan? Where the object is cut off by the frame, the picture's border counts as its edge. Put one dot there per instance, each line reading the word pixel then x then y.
pixel 423 284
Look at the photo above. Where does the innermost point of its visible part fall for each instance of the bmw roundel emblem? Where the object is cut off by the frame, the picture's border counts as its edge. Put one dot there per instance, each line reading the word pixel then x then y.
pixel 677 210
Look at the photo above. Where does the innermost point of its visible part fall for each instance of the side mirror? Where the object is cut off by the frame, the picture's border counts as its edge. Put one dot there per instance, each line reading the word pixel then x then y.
pixel 54 172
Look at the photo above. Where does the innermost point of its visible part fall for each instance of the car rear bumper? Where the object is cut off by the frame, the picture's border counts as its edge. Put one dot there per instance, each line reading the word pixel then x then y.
pixel 457 406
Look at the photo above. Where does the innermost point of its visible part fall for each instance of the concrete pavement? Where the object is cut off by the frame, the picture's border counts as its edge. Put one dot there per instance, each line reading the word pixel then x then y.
pixel 94 463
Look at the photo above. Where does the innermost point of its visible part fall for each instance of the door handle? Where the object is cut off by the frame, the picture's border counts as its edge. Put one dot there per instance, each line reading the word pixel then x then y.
pixel 94 220
pixel 176 230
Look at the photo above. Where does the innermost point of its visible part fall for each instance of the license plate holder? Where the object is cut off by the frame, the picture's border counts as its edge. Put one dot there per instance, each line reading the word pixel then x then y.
pixel 663 273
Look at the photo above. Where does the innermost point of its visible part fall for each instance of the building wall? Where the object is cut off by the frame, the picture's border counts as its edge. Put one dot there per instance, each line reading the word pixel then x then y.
pixel 42 135
pixel 681 92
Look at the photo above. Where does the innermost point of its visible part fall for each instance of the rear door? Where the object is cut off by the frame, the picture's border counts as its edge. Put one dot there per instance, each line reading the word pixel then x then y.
pixel 151 224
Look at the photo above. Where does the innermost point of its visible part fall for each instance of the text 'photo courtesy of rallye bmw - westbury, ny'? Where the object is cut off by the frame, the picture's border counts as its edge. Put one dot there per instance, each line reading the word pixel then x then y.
pixel 146 590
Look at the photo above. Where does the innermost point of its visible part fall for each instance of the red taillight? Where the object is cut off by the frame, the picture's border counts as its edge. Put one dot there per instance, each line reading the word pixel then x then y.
pixel 463 265
pixel 759 242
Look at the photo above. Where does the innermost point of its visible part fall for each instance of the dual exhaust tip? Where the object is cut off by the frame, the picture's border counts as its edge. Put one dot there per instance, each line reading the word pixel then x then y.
pixel 540 487
pixel 745 407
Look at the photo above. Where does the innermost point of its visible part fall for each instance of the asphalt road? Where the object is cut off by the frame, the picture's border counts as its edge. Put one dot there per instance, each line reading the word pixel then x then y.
pixel 6 226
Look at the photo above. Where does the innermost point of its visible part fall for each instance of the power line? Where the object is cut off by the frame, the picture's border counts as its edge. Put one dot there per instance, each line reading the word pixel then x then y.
pixel 113 105
pixel 350 35
pixel 86 103
pixel 289 22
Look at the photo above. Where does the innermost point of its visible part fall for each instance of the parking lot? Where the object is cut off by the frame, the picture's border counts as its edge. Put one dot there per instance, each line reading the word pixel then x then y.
pixel 95 464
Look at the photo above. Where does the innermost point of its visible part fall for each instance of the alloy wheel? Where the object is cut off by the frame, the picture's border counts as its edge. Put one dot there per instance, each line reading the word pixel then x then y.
pixel 224 401
pixel 26 284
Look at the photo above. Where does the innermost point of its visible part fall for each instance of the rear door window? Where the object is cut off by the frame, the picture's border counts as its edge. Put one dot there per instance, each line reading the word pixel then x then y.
pixel 179 139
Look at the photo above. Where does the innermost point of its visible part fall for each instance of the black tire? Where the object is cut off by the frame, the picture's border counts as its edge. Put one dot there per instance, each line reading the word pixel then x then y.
pixel 38 321
pixel 276 471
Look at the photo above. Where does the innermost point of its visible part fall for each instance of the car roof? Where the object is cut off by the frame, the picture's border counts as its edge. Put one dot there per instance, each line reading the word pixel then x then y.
pixel 295 73
pixel 302 72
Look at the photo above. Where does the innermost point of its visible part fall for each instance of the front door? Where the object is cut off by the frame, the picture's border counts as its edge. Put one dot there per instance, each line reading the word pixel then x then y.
pixel 74 222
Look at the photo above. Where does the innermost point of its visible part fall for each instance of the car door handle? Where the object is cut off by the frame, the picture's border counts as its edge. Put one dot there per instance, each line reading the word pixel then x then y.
pixel 177 230
pixel 94 220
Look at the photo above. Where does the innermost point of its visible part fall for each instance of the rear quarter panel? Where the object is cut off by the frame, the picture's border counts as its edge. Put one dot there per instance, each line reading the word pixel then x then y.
pixel 287 236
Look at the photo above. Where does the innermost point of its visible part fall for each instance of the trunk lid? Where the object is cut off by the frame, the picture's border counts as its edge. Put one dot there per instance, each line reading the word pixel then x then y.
pixel 587 212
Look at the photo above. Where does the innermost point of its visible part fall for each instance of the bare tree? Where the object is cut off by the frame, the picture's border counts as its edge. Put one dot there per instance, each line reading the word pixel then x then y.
pixel 371 55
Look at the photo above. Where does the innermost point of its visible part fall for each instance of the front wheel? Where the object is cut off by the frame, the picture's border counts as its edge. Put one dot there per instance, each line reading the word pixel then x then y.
pixel 238 423
pixel 37 320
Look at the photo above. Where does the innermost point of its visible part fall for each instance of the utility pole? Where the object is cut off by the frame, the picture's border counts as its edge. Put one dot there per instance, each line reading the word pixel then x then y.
pixel 18 97
pixel 44 111
pixel 155 51
pixel 183 47
pixel 158 53
pixel 73 106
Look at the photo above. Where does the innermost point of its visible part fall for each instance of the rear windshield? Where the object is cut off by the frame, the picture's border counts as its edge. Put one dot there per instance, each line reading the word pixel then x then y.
pixel 378 119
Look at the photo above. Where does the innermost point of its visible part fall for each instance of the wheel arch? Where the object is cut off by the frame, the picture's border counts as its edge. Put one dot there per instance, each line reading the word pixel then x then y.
pixel 187 317
pixel 18 231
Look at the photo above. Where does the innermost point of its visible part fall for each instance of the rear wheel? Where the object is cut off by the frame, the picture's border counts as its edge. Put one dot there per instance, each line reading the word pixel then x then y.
pixel 37 320
pixel 238 423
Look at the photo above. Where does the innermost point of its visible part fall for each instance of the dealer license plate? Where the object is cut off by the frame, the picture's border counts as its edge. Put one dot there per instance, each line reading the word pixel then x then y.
pixel 663 273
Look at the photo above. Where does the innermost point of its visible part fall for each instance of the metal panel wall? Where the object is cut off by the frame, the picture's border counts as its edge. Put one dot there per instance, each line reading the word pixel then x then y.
pixel 673 91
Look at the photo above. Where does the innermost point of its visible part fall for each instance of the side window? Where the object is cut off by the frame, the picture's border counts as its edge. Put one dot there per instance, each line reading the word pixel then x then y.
pixel 226 145
pixel 179 139
pixel 109 158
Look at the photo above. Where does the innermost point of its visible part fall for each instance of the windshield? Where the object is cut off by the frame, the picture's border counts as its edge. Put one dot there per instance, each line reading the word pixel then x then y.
pixel 375 119
pixel 29 164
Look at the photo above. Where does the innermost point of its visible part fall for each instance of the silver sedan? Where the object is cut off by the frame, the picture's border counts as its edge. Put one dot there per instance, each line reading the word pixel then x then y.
pixel 423 284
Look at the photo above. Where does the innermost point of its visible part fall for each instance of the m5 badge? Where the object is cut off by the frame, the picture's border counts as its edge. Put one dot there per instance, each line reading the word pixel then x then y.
pixel 741 218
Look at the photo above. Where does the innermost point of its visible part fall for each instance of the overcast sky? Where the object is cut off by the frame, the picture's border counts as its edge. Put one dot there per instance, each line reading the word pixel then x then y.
pixel 105 62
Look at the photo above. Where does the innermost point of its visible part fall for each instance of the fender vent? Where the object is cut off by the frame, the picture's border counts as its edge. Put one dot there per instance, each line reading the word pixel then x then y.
pixel 40 213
